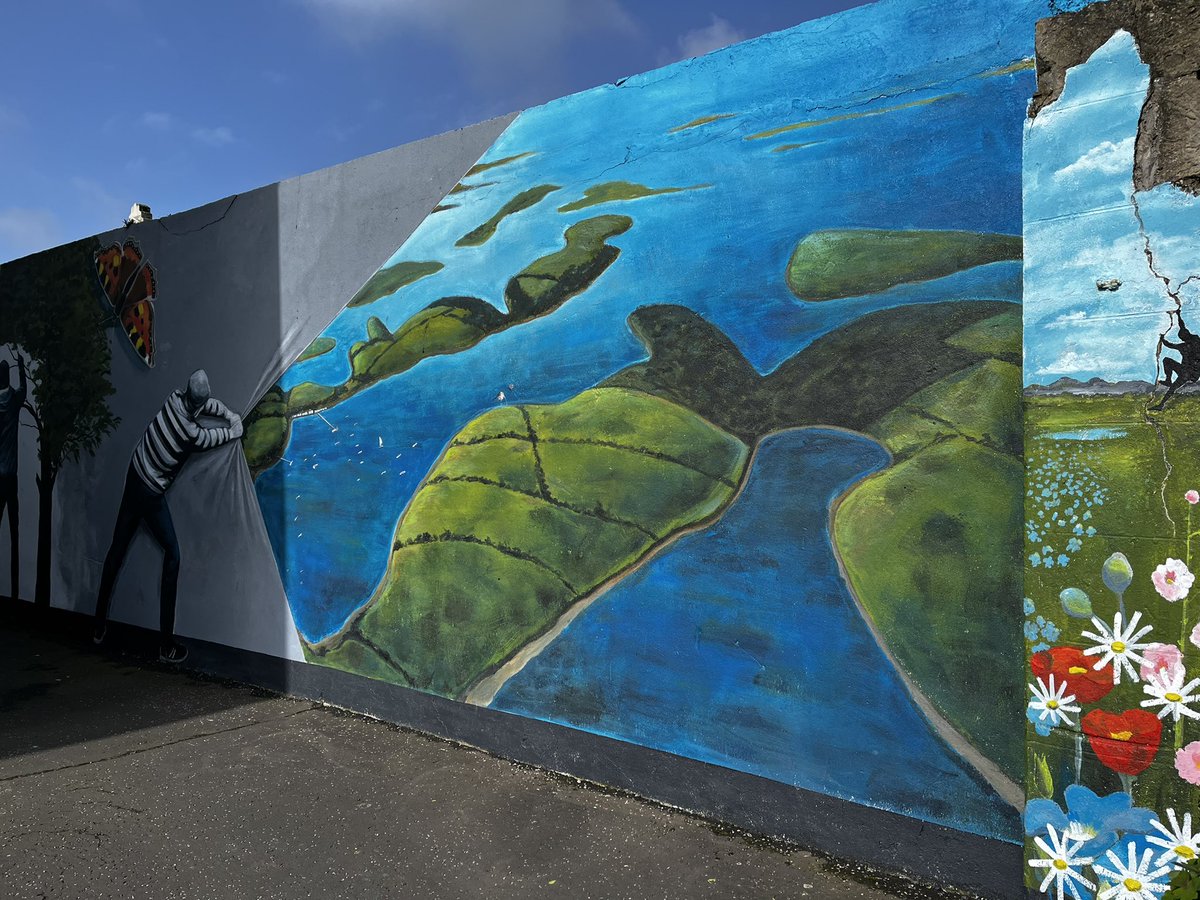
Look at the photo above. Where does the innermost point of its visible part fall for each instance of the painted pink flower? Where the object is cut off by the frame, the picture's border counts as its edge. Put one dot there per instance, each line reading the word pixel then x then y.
pixel 1161 658
pixel 1192 497
pixel 1172 580
pixel 1196 635
pixel 1187 762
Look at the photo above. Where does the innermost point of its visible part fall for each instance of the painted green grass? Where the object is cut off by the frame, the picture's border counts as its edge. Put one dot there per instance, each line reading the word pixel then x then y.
pixel 931 544
pixel 1127 459
pixel 981 403
pixel 520 202
pixel 611 191
pixel 548 282
pixel 516 540
pixel 447 610
pixel 508 461
pixel 998 336
pixel 930 547
pixel 830 265
pixel 319 347
pixel 390 279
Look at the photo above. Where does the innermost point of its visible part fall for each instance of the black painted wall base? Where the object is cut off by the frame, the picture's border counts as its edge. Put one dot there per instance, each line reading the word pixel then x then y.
pixel 816 821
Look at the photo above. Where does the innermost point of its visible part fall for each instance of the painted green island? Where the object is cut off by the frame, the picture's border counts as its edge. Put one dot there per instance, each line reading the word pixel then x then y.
pixel 448 325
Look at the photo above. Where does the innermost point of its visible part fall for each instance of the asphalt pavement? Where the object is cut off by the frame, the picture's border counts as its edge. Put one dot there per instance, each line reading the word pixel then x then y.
pixel 124 778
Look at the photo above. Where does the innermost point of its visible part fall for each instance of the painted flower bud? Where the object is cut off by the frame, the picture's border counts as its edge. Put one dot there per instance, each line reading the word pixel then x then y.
pixel 1076 603
pixel 1117 573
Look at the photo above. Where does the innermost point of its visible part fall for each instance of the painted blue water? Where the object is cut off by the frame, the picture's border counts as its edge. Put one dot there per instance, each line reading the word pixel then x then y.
pixel 1088 434
pixel 332 505
pixel 740 646
pixel 721 250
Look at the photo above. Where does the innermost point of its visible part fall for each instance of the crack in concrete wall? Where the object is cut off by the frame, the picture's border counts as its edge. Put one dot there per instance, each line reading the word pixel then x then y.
pixel 1167 33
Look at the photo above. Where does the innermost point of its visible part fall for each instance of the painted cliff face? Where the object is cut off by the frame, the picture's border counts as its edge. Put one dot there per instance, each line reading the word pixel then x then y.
pixel 1111 287
pixel 691 417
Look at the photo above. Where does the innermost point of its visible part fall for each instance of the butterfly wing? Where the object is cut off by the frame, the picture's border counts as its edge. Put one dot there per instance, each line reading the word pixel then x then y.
pixel 129 283
pixel 138 321
pixel 108 270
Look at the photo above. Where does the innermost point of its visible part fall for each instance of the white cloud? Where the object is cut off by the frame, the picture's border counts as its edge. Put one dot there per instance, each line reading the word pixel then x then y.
pixel 1072 362
pixel 220 136
pixel 1068 320
pixel 24 231
pixel 509 41
pixel 159 121
pixel 1108 158
pixel 713 36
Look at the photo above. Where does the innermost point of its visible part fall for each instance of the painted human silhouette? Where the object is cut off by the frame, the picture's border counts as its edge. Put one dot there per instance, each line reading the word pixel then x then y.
pixel 11 401
pixel 1180 372
pixel 170 439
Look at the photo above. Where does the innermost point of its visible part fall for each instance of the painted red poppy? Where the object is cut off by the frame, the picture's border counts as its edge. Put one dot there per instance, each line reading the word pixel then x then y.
pixel 1068 664
pixel 1125 742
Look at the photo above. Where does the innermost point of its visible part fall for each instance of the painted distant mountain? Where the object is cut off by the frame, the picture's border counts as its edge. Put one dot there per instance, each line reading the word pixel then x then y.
pixel 1096 387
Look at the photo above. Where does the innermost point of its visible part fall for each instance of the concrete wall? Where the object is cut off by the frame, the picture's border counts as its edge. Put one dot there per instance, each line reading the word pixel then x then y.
pixel 668 435
pixel 1111 230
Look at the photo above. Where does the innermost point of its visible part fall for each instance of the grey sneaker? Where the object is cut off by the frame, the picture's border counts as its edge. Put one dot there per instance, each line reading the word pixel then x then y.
pixel 176 653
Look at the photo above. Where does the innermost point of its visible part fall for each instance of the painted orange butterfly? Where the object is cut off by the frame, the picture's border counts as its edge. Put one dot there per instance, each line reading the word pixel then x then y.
pixel 129 284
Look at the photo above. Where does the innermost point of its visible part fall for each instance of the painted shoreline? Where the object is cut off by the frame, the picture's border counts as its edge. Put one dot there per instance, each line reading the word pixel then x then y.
pixel 484 691
pixel 1008 790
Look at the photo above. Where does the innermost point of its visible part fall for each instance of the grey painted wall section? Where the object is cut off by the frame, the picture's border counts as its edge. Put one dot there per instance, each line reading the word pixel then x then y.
pixel 227 303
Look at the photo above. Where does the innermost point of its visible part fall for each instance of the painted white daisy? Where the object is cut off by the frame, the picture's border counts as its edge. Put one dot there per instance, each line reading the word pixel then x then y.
pixel 1179 845
pixel 1061 864
pixel 1132 880
pixel 1118 644
pixel 1167 690
pixel 1051 703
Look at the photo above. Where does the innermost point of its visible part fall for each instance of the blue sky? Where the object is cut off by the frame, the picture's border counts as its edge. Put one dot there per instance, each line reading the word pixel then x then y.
pixel 1080 228
pixel 104 102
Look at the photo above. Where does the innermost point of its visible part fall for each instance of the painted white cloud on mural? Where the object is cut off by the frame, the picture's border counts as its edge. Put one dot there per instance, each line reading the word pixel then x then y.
pixel 1109 158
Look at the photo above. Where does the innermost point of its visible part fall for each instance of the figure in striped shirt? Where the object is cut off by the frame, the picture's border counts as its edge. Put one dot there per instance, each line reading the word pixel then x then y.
pixel 174 435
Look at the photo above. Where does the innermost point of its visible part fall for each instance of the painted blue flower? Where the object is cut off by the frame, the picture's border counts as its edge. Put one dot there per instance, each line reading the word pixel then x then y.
pixel 1031 631
pixel 1089 817
pixel 1078 529
pixel 1047 550
pixel 1048 562
pixel 1035 559
pixel 1050 631
pixel 1091 532
pixel 1042 728
pixel 1029 607
pixel 1039 647
pixel 1074 545
pixel 1063 559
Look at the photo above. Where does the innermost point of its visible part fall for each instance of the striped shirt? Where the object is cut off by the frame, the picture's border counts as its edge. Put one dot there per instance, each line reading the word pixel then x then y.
pixel 173 436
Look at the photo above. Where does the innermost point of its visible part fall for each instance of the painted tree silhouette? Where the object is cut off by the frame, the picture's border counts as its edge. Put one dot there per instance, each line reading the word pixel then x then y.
pixel 49 308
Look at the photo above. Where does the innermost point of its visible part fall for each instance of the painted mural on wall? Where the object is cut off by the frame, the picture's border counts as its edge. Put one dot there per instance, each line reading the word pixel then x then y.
pixel 52 324
pixel 700 432
pixel 1112 530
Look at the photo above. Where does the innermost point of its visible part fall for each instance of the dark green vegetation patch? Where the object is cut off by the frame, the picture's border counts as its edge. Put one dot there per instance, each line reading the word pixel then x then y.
pixel 611 191
pixel 829 265
pixel 390 279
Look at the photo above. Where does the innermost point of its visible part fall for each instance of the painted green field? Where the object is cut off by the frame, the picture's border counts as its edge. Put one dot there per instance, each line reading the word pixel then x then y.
pixel 488 554
pixel 931 544
pixel 829 265
pixel 1104 472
